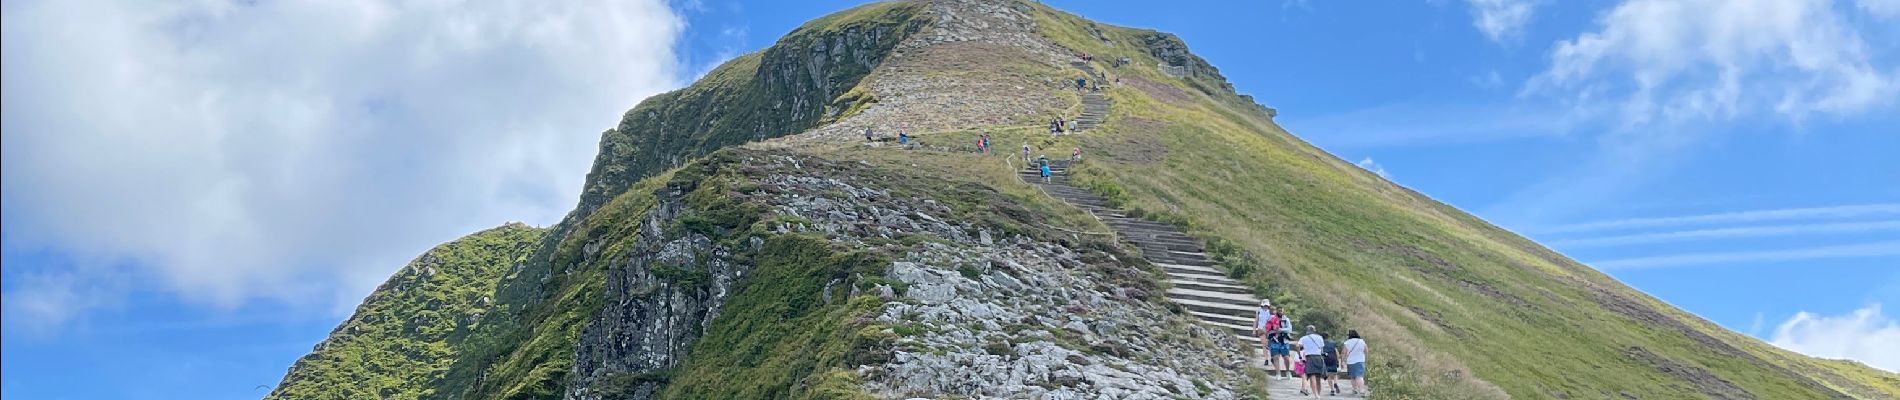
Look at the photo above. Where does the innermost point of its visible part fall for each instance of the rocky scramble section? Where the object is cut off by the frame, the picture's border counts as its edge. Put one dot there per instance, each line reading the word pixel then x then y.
pixel 970 308
pixel 984 313
pixel 1200 287
pixel 962 67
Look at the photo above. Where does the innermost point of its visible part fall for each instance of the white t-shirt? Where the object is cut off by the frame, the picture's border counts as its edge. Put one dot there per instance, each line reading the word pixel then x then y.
pixel 1312 345
pixel 1355 350
pixel 1260 318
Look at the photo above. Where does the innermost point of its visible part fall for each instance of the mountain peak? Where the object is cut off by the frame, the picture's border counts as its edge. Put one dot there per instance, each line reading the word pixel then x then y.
pixel 766 233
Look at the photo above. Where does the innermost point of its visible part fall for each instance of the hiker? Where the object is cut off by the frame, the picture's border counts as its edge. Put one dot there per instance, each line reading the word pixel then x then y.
pixel 1332 366
pixel 1081 83
pixel 1076 155
pixel 903 137
pixel 1355 350
pixel 984 143
pixel 1312 349
pixel 1279 352
pixel 1026 152
pixel 867 134
pixel 1045 169
pixel 1263 324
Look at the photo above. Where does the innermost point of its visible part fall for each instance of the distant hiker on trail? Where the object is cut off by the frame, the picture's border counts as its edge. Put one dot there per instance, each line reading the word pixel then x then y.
pixel 1312 349
pixel 1076 155
pixel 983 143
pixel 867 134
pixel 1279 350
pixel 1045 170
pixel 1026 152
pixel 1355 350
pixel 1081 83
pixel 903 136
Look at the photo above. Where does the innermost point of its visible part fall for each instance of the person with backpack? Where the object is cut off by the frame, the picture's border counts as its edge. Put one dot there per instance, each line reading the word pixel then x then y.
pixel 903 137
pixel 867 134
pixel 1312 351
pixel 1279 348
pixel 1026 152
pixel 1332 366
pixel 1355 349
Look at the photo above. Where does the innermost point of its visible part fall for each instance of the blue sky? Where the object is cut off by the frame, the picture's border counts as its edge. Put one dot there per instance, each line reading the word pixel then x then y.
pixel 194 194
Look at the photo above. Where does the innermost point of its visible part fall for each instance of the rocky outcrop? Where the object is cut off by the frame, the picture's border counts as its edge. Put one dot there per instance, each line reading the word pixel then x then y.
pixel 788 88
pixel 658 301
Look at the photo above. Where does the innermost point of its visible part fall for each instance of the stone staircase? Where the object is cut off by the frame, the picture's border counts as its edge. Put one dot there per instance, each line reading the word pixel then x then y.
pixel 1200 286
pixel 1094 104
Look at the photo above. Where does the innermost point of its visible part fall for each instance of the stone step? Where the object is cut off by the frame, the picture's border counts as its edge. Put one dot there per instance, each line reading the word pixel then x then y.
pixel 1166 259
pixel 1192 274
pixel 1193 278
pixel 1230 298
pixel 1224 318
pixel 1196 269
pixel 1243 311
pixel 1237 330
pixel 1166 240
pixel 1215 287
pixel 1166 246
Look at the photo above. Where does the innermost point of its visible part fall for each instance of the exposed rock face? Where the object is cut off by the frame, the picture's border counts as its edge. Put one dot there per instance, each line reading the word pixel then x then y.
pixel 976 311
pixel 1011 317
pixel 658 302
pixel 786 89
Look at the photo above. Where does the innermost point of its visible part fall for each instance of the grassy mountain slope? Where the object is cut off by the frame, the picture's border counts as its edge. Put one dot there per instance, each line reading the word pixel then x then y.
pixel 798 83
pixel 527 349
pixel 408 331
pixel 1454 306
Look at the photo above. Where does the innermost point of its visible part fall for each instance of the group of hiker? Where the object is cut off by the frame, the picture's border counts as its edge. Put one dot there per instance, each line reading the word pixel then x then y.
pixel 1320 362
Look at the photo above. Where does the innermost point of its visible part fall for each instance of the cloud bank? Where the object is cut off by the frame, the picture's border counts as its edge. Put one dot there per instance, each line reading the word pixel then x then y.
pixel 1867 335
pixel 298 150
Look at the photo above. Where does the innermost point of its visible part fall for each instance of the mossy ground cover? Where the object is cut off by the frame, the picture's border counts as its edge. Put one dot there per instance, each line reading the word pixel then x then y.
pixel 403 338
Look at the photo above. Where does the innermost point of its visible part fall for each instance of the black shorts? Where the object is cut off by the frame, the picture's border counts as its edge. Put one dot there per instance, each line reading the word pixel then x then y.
pixel 1315 365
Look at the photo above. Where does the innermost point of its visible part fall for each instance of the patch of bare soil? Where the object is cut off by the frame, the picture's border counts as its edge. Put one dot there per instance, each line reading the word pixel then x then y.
pixel 1438 318
pixel 1137 147
pixel 1705 382
pixel 1160 91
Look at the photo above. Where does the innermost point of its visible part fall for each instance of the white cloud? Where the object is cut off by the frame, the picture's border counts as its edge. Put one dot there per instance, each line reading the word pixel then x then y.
pixel 1681 60
pixel 1723 233
pixel 1501 20
pixel 1867 335
pixel 1875 249
pixel 227 152
pixel 1837 211
pixel 1373 166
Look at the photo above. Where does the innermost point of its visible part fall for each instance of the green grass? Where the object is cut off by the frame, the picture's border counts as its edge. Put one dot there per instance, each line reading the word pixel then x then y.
pixel 1453 307
pixel 404 336
pixel 775 338
pixel 781 90
pixel 1348 249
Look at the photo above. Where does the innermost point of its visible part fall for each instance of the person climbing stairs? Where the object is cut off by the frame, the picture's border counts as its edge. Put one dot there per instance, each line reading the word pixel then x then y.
pixel 1200 286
